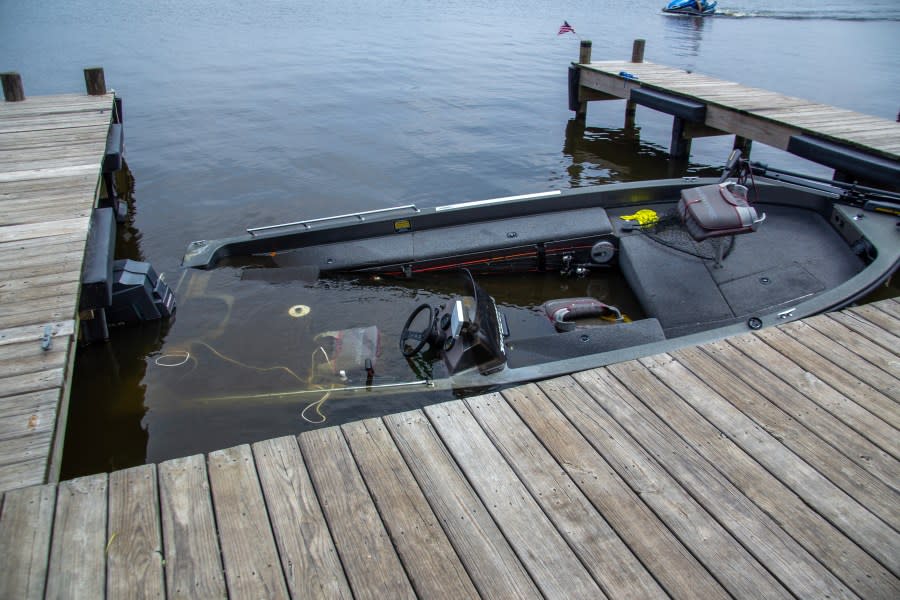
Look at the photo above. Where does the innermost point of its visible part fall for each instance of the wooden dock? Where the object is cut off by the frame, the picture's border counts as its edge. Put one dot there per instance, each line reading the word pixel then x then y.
pixel 51 152
pixel 703 106
pixel 762 466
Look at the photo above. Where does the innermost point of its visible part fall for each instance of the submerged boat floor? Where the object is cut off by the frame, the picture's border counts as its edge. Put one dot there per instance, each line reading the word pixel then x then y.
pixel 794 254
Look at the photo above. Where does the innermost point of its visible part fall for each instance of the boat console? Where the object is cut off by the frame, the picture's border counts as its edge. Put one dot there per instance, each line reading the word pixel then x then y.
pixel 466 333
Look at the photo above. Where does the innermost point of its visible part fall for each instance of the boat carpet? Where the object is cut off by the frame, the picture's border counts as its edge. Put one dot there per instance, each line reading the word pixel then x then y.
pixel 794 254
pixel 583 340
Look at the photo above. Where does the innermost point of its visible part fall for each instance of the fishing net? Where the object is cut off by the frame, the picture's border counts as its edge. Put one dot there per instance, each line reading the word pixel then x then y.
pixel 669 231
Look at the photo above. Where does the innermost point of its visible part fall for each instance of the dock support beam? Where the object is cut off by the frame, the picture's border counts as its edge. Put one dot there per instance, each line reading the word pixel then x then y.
pixel 637 56
pixel 94 81
pixel 13 91
pixel 680 147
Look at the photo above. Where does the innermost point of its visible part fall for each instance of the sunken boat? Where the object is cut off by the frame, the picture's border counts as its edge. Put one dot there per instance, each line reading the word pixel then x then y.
pixel 704 259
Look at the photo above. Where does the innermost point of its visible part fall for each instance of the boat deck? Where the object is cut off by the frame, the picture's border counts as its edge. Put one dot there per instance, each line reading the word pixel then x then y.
pixel 51 153
pixel 761 466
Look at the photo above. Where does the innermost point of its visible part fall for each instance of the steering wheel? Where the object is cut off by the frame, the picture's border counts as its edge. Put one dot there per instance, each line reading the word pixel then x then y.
pixel 422 336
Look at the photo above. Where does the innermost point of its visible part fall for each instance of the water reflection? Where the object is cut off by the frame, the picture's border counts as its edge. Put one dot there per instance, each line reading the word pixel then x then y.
pixel 601 155
pixel 684 35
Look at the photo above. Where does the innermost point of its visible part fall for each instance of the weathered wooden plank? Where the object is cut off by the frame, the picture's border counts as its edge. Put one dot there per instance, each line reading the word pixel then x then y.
pixel 872 352
pixel 554 567
pixel 252 568
pixel 25 526
pixel 674 567
pixel 838 377
pixel 844 357
pixel 430 561
pixel 34 447
pixel 822 540
pixel 40 292
pixel 46 310
pixel 28 174
pixel 308 556
pixel 734 567
pixel 874 314
pixel 134 550
pixel 600 549
pixel 771 425
pixel 54 137
pixel 490 562
pixel 370 561
pixel 31 420
pixel 11 233
pixel 843 408
pixel 30 357
pixel 193 564
pixel 77 557
pixel 868 330
pixel 34 333
pixel 853 444
pixel 890 306
pixel 31 382
pixel 24 473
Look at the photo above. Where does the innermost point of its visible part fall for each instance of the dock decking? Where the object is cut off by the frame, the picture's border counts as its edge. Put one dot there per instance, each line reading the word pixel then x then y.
pixel 755 114
pixel 51 152
pixel 761 466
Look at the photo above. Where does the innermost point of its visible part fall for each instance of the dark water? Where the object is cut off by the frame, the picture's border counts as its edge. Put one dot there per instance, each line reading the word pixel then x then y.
pixel 248 113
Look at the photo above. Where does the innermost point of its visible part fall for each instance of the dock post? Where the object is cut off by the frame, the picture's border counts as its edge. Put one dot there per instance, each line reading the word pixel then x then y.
pixel 680 146
pixel 95 81
pixel 743 144
pixel 637 56
pixel 13 91
pixel 584 58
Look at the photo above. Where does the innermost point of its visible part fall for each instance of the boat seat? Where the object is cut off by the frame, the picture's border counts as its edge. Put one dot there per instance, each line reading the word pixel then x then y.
pixel 565 312
pixel 719 210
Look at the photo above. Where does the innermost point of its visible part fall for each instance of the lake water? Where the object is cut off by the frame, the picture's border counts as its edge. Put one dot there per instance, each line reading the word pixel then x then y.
pixel 249 113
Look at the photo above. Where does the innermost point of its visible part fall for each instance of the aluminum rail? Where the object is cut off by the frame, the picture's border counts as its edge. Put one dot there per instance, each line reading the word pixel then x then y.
pixel 359 215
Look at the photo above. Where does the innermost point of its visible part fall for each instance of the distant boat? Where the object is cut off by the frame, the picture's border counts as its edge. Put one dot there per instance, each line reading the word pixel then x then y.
pixel 697 8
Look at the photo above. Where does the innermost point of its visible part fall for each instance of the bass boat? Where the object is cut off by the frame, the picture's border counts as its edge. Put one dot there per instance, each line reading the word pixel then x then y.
pixel 702 259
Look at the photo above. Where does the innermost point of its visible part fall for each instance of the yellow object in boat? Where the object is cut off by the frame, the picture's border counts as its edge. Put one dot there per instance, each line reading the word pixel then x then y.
pixel 645 216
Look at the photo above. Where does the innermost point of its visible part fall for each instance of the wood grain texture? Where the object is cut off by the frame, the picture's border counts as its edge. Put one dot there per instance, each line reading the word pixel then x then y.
pixel 735 568
pixel 134 549
pixel 600 549
pixel 674 566
pixel 554 567
pixel 764 426
pixel 25 527
pixel 252 567
pixel 430 561
pixel 367 554
pixel 77 554
pixel 193 563
pixel 308 556
pixel 489 560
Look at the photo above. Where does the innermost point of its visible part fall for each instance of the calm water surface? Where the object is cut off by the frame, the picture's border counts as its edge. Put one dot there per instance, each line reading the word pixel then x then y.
pixel 248 113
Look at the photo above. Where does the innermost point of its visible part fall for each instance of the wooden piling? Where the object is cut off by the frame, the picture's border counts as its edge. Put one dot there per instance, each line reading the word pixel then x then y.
pixel 584 58
pixel 584 54
pixel 637 56
pixel 743 144
pixel 95 81
pixel 13 91
pixel 637 51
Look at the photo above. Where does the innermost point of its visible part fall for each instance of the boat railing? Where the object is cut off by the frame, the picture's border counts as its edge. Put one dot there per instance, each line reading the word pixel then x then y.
pixel 361 216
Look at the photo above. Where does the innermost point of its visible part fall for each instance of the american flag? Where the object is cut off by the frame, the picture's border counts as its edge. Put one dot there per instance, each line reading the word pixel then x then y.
pixel 566 28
